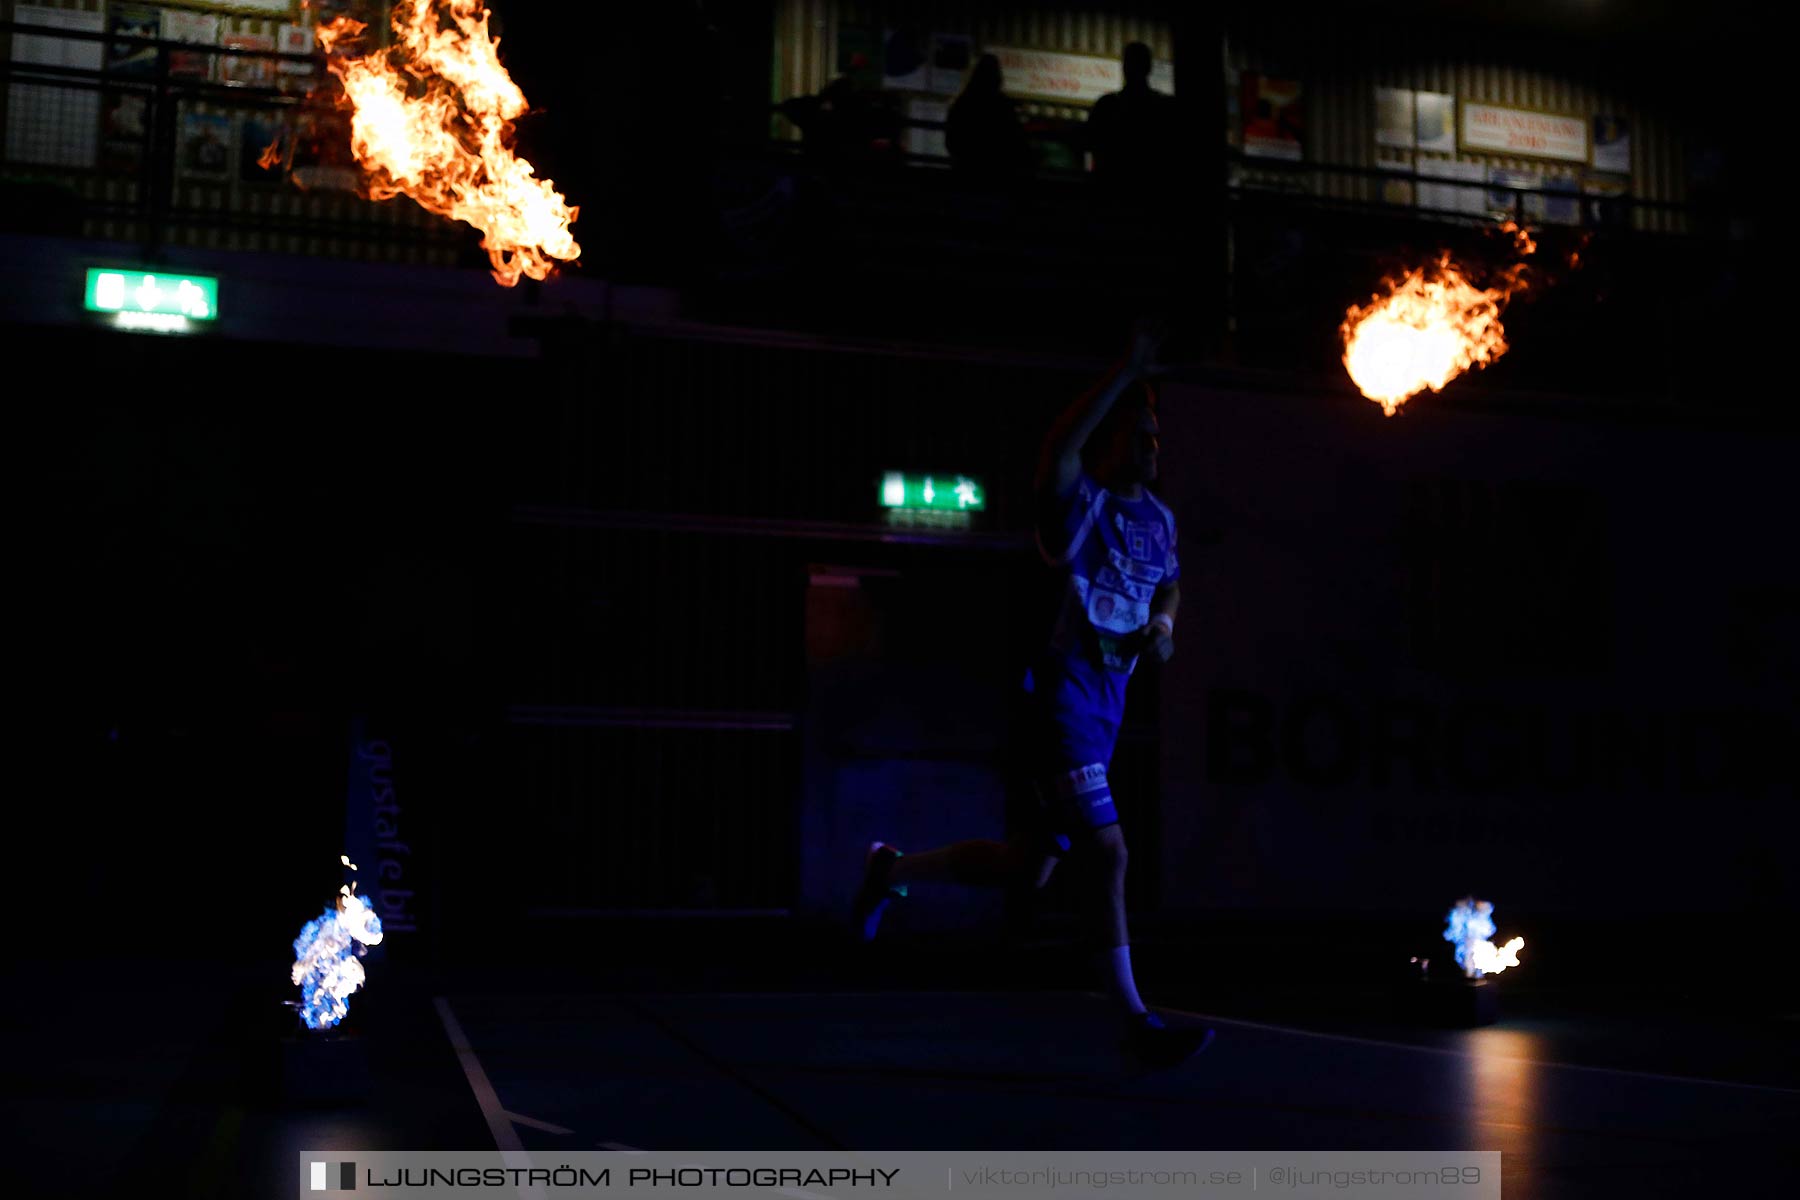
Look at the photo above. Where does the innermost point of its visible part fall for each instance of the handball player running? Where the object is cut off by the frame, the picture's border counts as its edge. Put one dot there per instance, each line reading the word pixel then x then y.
pixel 1114 542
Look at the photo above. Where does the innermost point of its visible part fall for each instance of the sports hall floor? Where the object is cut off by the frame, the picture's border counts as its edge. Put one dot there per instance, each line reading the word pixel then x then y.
pixel 740 1038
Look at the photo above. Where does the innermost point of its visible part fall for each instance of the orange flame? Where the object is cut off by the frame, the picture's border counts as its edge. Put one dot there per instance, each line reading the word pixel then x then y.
pixel 1430 327
pixel 433 120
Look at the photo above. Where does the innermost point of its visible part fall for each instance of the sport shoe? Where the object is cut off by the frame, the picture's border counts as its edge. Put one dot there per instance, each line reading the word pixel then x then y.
pixel 1156 1045
pixel 875 894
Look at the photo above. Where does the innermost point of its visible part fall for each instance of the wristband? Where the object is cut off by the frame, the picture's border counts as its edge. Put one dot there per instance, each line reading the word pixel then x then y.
pixel 1166 621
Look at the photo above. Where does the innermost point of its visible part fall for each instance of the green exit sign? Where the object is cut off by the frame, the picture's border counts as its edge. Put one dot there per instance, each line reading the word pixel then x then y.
pixel 953 493
pixel 152 300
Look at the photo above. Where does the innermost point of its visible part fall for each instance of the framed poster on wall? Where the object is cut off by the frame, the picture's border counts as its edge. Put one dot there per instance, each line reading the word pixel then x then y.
pixel 1468 199
pixel 1612 145
pixel 205 144
pixel 136 22
pixel 1394 124
pixel 1272 117
pixel 245 70
pixel 1436 121
pixel 199 29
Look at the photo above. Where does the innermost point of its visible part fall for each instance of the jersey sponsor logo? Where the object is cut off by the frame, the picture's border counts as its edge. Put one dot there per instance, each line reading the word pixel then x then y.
pixel 1114 612
pixel 1109 579
pixel 1147 541
pixel 1111 582
pixel 1132 568
pixel 1083 780
pixel 1114 655
pixel 1110 590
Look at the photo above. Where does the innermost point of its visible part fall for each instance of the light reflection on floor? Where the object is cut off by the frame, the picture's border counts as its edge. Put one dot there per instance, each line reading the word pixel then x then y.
pixel 1503 1082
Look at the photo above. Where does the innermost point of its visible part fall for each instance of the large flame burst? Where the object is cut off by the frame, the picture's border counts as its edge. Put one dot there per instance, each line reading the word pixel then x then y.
pixel 1430 326
pixel 432 118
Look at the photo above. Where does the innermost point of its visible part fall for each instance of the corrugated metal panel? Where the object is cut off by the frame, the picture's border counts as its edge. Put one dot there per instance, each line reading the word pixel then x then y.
pixel 1340 68
pixel 6 10
pixel 805 33
pixel 229 22
pixel 806 37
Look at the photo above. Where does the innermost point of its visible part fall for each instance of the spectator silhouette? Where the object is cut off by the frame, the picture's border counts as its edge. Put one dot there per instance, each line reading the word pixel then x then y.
pixel 1132 132
pixel 843 124
pixel 983 133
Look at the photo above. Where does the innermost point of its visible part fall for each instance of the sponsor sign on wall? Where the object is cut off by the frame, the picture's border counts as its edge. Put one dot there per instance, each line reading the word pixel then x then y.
pixel 1499 130
pixel 1077 78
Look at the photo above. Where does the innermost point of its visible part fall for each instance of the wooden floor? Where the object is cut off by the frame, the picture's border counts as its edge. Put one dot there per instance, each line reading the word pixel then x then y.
pixel 1040 1071
pixel 1579 1104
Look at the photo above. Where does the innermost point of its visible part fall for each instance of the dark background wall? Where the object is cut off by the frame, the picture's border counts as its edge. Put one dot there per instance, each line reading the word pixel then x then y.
pixel 574 594
pixel 229 549
pixel 1551 659
pixel 1547 656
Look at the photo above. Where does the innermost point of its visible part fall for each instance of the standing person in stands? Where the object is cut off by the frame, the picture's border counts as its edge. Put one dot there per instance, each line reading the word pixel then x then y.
pixel 983 133
pixel 1132 132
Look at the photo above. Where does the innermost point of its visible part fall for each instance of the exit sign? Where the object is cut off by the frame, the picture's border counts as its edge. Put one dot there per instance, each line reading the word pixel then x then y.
pixel 152 300
pixel 954 493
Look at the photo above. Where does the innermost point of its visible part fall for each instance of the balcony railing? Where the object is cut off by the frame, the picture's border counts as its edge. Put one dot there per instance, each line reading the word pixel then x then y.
pixel 162 142
pixel 1431 191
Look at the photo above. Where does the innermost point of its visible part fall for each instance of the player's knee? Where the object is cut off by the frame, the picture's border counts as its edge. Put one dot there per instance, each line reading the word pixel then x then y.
pixel 1109 846
pixel 1115 872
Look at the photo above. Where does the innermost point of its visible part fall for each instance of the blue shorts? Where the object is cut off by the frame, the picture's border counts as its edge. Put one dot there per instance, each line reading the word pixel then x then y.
pixel 1068 758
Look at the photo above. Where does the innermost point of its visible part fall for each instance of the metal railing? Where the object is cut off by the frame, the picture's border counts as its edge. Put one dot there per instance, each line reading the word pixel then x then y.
pixel 157 142
pixel 1407 189
pixel 1385 189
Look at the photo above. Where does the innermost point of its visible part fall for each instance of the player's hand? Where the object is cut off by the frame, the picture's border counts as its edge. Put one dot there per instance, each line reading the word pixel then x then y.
pixel 1146 339
pixel 1158 642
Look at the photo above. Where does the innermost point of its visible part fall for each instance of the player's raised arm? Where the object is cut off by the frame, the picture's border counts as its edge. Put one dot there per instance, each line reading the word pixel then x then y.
pixel 1059 465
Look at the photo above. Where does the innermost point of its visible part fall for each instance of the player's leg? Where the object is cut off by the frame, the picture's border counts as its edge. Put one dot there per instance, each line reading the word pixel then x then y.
pixel 976 863
pixel 981 862
pixel 1110 859
pixel 1146 1035
pixel 1078 797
